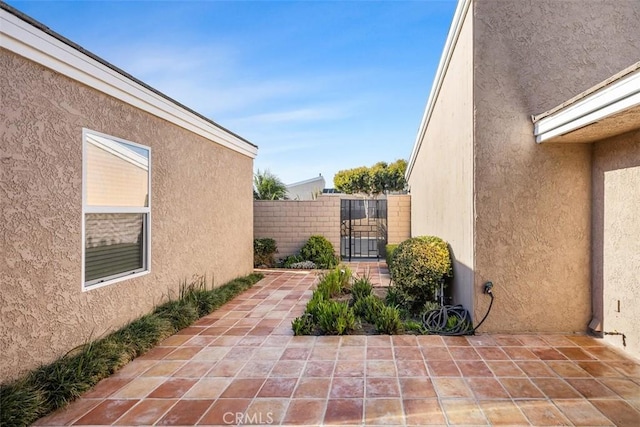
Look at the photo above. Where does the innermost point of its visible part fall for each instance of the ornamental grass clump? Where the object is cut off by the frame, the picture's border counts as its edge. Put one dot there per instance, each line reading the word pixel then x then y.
pixel 52 386
pixel 420 267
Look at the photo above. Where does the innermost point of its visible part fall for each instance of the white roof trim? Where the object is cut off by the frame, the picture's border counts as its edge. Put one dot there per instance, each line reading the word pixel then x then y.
pixel 609 100
pixel 32 43
pixel 307 181
pixel 445 59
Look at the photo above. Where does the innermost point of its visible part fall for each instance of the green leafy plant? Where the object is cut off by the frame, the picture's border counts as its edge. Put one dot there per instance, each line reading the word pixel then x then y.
pixel 361 288
pixel 264 251
pixel 389 251
pixel 267 186
pixel 302 325
pixel 395 297
pixel 388 321
pixel 52 386
pixel 335 282
pixel 335 318
pixel 413 326
pixel 319 250
pixel 291 259
pixel 368 308
pixel 421 265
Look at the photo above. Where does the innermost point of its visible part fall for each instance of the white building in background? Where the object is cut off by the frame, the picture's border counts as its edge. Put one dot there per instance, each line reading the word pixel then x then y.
pixel 308 189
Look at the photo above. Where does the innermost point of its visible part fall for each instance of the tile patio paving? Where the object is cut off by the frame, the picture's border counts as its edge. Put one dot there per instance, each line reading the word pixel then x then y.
pixel 241 365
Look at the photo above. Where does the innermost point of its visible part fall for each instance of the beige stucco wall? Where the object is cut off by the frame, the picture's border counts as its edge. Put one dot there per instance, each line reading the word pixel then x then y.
pixel 442 178
pixel 398 218
pixel 533 227
pixel 615 231
pixel 201 214
pixel 291 222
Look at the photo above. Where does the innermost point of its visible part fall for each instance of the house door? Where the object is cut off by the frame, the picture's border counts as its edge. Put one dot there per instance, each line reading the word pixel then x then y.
pixel 363 228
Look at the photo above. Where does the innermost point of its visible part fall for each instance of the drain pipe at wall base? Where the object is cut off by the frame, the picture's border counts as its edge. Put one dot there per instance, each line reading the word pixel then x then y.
pixel 437 321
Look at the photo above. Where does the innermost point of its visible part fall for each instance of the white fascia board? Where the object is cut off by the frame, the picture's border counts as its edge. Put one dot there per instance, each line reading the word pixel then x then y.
pixel 445 60
pixel 610 100
pixel 30 42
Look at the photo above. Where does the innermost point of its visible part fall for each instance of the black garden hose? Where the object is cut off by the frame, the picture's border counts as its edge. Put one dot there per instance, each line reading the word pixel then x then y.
pixel 437 321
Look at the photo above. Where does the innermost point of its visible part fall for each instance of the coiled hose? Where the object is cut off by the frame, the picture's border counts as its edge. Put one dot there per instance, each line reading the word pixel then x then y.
pixel 452 320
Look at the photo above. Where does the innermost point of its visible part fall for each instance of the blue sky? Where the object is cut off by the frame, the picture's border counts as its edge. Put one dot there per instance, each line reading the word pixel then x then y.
pixel 318 86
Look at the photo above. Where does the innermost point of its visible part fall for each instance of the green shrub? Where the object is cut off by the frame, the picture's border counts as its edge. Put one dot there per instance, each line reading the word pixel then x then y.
pixel 368 308
pixel 334 282
pixel 413 326
pixel 335 318
pixel 52 386
pixel 21 403
pixel 179 313
pixel 420 266
pixel 388 321
pixel 313 306
pixel 395 297
pixel 389 251
pixel 319 250
pixel 361 288
pixel 302 325
pixel 291 259
pixel 263 252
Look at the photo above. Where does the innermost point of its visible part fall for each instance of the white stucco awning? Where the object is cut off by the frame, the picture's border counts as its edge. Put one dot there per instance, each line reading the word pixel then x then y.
pixel 609 108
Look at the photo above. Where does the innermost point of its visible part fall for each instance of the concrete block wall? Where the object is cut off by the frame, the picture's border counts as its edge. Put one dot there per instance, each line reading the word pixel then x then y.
pixel 398 218
pixel 292 222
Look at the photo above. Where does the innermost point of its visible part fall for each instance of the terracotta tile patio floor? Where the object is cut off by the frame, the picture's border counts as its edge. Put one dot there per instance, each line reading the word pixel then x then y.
pixel 241 365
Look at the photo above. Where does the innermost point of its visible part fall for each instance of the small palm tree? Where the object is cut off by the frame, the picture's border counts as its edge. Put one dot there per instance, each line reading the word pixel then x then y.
pixel 267 186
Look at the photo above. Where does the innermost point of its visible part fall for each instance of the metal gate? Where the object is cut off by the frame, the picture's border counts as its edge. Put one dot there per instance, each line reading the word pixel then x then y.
pixel 363 228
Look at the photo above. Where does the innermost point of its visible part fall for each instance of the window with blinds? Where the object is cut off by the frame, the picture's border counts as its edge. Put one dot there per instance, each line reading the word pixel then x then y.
pixel 116 209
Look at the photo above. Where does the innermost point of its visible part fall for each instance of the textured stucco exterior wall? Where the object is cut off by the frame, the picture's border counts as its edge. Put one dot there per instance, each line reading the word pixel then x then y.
pixel 533 226
pixel 616 247
pixel 398 218
pixel 291 222
pixel 442 178
pixel 201 214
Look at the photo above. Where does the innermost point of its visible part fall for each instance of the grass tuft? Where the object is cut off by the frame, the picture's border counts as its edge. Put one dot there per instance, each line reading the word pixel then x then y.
pixel 53 386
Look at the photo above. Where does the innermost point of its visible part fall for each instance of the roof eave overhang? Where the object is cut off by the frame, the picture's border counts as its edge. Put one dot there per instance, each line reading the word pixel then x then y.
pixel 53 51
pixel 609 108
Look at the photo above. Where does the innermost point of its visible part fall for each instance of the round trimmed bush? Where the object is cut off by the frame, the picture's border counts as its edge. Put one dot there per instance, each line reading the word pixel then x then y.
pixel 319 250
pixel 420 266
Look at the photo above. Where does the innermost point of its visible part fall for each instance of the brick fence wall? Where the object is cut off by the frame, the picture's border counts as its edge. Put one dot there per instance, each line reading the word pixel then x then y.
pixel 398 218
pixel 292 222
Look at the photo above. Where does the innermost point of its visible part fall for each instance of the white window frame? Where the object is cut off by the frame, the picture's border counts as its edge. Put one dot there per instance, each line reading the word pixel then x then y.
pixel 146 211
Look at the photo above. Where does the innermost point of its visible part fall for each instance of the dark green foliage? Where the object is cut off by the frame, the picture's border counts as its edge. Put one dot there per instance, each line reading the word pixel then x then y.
pixel 291 259
pixel 389 251
pixel 264 251
pixel 388 321
pixel 267 186
pixel 379 178
pixel 319 250
pixel 53 386
pixel 368 308
pixel 334 282
pixel 414 326
pixel 302 325
pixel 361 288
pixel 180 314
pixel 21 403
pixel 139 336
pixel 420 266
pixel 335 318
pixel 395 297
